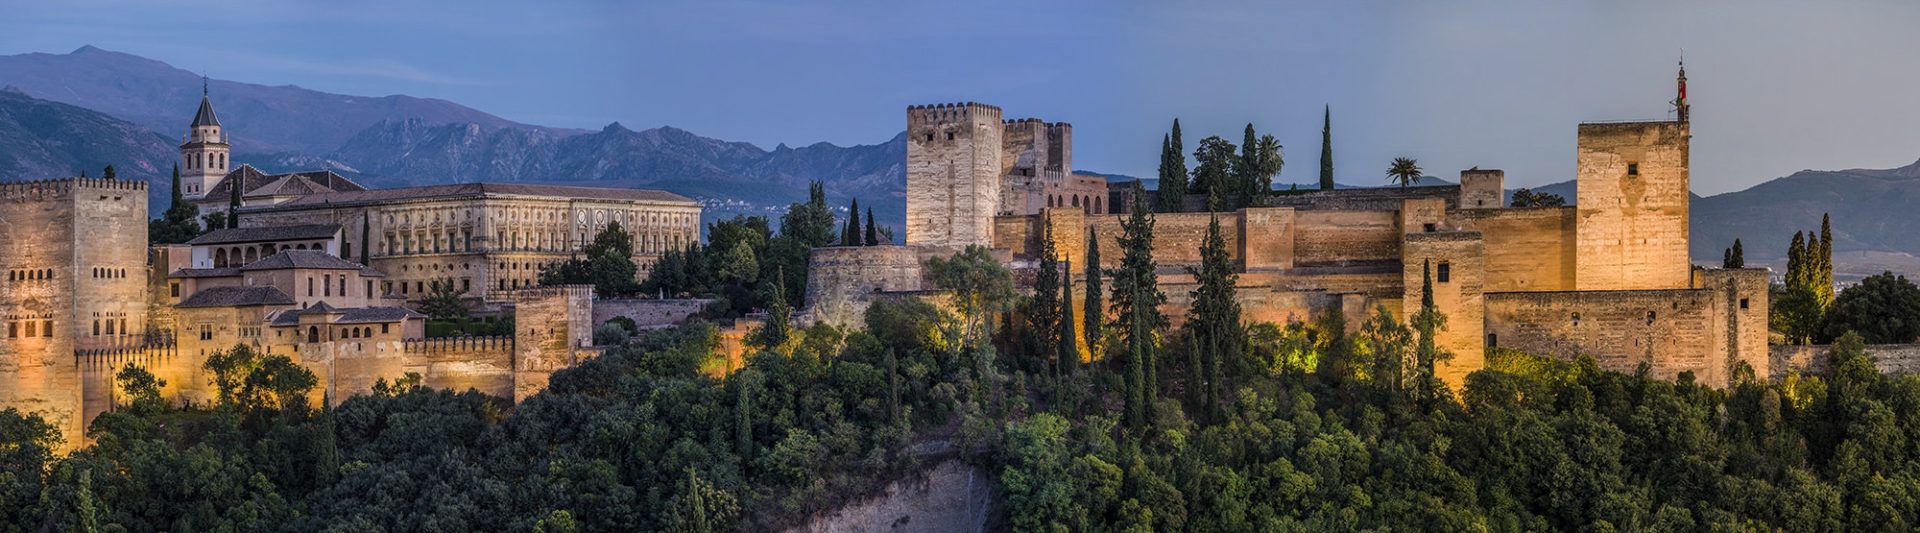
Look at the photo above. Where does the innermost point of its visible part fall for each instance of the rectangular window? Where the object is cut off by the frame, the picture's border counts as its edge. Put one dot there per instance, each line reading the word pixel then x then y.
pixel 309 286
pixel 46 330
pixel 383 329
pixel 174 288
pixel 1443 272
pixel 1429 228
pixel 328 285
pixel 31 332
pixel 369 288
pixel 466 285
pixel 1633 169
pixel 1743 303
pixel 13 329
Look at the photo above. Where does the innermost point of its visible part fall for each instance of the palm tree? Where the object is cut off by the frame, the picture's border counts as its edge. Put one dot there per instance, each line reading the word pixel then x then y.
pixel 1404 171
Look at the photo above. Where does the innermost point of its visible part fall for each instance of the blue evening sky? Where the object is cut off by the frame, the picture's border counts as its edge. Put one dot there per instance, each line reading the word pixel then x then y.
pixel 1777 86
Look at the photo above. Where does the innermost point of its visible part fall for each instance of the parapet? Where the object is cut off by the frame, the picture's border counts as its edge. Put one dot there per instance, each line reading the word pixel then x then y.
pixel 954 112
pixel 500 343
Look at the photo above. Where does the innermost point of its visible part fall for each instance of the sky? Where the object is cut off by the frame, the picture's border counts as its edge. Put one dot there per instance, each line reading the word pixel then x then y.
pixel 1776 86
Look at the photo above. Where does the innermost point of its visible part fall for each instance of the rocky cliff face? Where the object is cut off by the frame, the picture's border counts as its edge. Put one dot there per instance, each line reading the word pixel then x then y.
pixel 951 496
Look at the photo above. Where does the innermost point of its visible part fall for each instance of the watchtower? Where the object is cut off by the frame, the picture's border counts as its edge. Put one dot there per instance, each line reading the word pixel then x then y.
pixel 953 173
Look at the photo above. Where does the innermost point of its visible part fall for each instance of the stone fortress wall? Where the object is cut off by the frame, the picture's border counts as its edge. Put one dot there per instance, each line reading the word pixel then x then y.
pixel 1506 277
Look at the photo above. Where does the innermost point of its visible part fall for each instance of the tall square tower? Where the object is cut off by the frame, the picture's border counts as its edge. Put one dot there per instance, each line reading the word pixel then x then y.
pixel 1632 206
pixel 953 173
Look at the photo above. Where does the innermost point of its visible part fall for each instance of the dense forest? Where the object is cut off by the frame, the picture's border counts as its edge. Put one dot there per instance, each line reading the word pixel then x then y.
pixel 1128 425
pixel 1309 439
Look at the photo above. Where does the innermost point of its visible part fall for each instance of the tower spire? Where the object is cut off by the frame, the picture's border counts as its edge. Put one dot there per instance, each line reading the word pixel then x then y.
pixel 1680 101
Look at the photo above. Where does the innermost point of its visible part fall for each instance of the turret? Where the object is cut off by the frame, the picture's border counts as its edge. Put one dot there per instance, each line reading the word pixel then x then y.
pixel 204 151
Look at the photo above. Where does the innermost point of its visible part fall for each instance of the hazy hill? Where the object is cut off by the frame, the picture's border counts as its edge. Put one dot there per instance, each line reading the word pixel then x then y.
pixel 1873 211
pixel 41 139
pixel 261 118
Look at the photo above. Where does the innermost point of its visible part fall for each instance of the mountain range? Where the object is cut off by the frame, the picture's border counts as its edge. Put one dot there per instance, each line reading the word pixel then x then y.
pixel 61 114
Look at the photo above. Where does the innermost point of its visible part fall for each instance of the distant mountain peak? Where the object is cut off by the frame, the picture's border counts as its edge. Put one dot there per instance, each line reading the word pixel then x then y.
pixel 615 127
pixel 87 49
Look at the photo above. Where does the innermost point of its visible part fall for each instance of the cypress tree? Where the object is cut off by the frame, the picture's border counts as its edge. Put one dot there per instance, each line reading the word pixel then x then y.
pixel 778 313
pixel 174 201
pixel 1726 258
pixel 893 388
pixel 1739 255
pixel 1069 355
pixel 1796 259
pixel 1173 171
pixel 1137 381
pixel 1213 321
pixel 1094 314
pixel 1136 287
pixel 233 204
pixel 1043 314
pixel 873 232
pixel 1825 258
pixel 1326 149
pixel 743 414
pixel 1425 323
pixel 108 173
pixel 366 234
pixel 850 234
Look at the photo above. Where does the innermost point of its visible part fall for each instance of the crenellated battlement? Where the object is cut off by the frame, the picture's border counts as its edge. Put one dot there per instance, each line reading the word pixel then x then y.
pixel 440 345
pixel 56 188
pixel 953 112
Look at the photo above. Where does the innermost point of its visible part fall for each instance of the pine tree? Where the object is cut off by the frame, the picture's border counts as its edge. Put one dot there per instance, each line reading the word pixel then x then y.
pixel 1173 171
pixel 1069 355
pixel 1094 313
pixel 873 232
pixel 1326 150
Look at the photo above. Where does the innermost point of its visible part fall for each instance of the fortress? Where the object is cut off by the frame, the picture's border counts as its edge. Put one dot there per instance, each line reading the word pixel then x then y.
pixel 1608 278
pixel 321 269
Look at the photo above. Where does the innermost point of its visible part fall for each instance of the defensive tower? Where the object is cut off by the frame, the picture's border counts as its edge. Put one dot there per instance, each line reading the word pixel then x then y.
pixel 953 173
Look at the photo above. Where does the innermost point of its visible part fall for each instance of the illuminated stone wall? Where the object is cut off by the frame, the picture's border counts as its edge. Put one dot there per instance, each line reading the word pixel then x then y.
pixel 1632 206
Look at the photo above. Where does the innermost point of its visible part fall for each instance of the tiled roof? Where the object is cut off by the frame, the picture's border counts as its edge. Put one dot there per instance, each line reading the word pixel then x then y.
pixel 481 189
pixel 205 117
pixel 268 234
pixel 315 259
pixel 354 315
pixel 253 182
pixel 237 296
pixel 205 272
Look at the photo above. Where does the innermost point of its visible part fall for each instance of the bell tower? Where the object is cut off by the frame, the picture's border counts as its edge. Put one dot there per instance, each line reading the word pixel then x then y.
pixel 203 154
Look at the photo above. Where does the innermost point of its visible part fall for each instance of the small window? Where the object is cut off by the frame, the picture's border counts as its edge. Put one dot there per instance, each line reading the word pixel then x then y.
pixel 929 137
pixel 1493 341
pixel 174 288
pixel 1743 303
pixel 1443 272
pixel 383 329
pixel 949 135
pixel 1429 228
pixel 1650 318
pixel 1576 318
pixel 1633 169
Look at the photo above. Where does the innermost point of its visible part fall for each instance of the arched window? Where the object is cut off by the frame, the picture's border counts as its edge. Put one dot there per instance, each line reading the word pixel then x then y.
pixel 313 334
pixel 220 258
